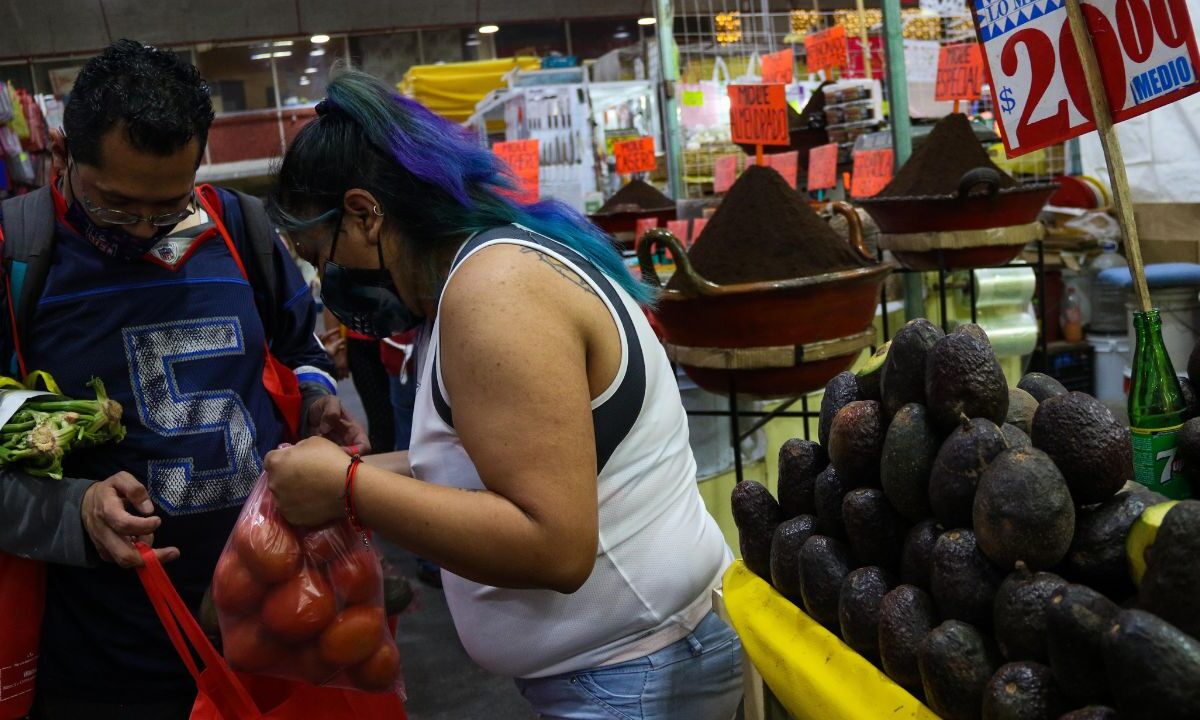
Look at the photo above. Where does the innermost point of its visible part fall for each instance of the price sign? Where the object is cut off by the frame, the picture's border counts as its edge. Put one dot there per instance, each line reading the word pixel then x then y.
pixel 697 228
pixel 856 66
pixel 724 172
pixel 1146 50
pixel 679 228
pixel 920 60
pixel 959 72
pixel 872 171
pixel 779 67
pixel 521 156
pixel 786 164
pixel 826 49
pixel 758 114
pixel 822 167
pixel 644 225
pixel 635 155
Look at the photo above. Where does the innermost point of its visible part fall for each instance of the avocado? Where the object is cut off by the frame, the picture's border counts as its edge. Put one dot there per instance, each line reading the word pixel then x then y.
pixel 909 449
pixel 870 375
pixel 1023 511
pixel 1022 691
pixel 963 377
pixel 839 392
pixel 906 616
pixel 800 461
pixel 858 609
pixel 1041 387
pixel 789 537
pixel 916 560
pixel 1077 620
pixel 1155 668
pixel 1021 408
pixel 960 461
pixel 1171 586
pixel 1015 436
pixel 962 581
pixel 828 491
pixel 974 330
pixel 1187 449
pixel 756 515
pixel 1142 536
pixel 1019 613
pixel 903 378
pixel 1091 712
pixel 956 662
pixel 1089 445
pixel 1097 554
pixel 824 564
pixel 856 442
pixel 875 531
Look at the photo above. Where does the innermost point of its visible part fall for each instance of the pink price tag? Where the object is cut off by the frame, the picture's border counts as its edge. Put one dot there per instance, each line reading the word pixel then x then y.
pixel 786 164
pixel 679 228
pixel 724 172
pixel 822 167
pixel 645 225
pixel 697 226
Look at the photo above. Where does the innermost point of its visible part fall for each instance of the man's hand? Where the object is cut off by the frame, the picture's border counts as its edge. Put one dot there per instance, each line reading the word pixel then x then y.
pixel 328 419
pixel 113 528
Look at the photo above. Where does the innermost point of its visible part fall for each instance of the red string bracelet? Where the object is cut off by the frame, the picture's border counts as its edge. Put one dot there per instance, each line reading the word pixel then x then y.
pixel 348 496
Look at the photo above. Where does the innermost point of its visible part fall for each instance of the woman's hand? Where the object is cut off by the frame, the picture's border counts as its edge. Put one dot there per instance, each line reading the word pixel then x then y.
pixel 308 480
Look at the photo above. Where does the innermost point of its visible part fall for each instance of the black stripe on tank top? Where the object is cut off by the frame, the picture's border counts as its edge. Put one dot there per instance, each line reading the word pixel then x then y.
pixel 614 419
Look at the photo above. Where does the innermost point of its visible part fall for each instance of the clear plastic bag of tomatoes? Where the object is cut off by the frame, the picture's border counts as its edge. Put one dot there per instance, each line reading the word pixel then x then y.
pixel 304 605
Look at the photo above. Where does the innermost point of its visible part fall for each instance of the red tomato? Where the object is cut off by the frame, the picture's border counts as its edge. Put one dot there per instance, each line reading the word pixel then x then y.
pixel 311 667
pixel 269 549
pixel 234 591
pixel 380 671
pixel 249 648
pixel 300 608
pixel 357 577
pixel 353 636
pixel 324 545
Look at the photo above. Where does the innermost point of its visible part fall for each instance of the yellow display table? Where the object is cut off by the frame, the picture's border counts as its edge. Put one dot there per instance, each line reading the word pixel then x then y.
pixel 813 674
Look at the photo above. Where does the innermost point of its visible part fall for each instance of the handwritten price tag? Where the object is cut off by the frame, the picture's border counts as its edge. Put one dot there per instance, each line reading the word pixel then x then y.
pixel 697 228
pixel 826 49
pixel 758 114
pixel 779 67
pixel 679 228
pixel 959 72
pixel 1146 49
pixel 786 164
pixel 872 171
pixel 635 155
pixel 521 156
pixel 822 167
pixel 644 225
pixel 724 172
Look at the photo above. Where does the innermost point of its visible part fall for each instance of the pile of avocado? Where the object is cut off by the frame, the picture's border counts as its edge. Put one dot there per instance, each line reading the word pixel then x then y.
pixel 977 543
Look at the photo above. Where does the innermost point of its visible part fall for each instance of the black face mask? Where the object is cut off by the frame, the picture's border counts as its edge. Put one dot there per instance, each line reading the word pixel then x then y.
pixel 365 300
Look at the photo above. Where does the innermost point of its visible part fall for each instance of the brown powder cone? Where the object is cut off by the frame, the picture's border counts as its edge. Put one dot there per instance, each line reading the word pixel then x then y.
pixel 936 166
pixel 636 195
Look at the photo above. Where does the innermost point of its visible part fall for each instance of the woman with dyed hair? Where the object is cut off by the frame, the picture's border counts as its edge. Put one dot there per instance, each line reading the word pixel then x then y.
pixel 549 474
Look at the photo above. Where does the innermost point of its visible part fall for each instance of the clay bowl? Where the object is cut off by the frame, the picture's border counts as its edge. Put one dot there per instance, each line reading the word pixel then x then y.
pixel 960 259
pixel 838 306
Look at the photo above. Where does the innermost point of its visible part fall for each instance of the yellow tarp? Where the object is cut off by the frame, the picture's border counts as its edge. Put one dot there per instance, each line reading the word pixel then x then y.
pixel 812 672
pixel 452 90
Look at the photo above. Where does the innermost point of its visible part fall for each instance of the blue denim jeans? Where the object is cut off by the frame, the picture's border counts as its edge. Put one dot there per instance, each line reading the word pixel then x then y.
pixel 696 678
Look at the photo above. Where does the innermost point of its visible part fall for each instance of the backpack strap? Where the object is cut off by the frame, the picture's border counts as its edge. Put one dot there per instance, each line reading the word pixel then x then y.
pixel 28 250
pixel 260 234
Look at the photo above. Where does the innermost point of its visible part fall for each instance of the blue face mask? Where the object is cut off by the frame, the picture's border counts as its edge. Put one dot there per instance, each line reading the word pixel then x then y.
pixel 112 240
pixel 365 300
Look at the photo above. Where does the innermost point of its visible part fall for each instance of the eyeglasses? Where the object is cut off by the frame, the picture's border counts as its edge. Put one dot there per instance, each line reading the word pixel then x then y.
pixel 120 217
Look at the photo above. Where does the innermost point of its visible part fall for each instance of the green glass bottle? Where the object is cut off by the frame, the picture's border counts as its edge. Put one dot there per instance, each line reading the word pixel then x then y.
pixel 1156 411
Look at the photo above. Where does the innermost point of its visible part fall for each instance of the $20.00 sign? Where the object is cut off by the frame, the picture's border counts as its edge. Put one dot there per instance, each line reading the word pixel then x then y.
pixel 1146 49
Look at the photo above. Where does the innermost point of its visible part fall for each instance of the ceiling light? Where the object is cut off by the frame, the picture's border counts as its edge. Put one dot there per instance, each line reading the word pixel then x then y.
pixel 282 43
pixel 319 39
pixel 621 35
pixel 282 53
pixel 489 29
pixel 317 53
pixel 261 56
pixel 305 81
pixel 472 43
pixel 646 21
pixel 309 71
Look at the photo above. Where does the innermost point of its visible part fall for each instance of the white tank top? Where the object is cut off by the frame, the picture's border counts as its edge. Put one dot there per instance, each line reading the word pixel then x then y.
pixel 659 552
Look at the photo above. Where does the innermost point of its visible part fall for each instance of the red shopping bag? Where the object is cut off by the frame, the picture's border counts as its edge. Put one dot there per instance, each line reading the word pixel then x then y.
pixel 228 695
pixel 22 600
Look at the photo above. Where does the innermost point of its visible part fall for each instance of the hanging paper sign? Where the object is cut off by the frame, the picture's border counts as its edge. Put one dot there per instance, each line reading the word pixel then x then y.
pixel 778 67
pixel 920 60
pixel 959 72
pixel 822 167
pixel 872 171
pixel 758 114
pixel 645 225
pixel 1146 50
pixel 826 49
pixel 724 172
pixel 786 164
pixel 855 58
pixel 679 228
pixel 635 155
pixel 521 156
pixel 697 227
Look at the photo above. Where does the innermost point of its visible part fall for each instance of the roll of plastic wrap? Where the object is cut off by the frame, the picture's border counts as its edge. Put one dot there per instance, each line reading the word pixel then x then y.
pixel 996 287
pixel 1011 333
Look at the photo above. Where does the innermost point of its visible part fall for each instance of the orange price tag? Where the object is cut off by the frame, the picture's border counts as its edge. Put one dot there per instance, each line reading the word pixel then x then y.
pixel 872 171
pixel 645 225
pixel 822 167
pixel 724 172
pixel 779 67
pixel 758 114
pixel 635 155
pixel 786 164
pixel 522 157
pixel 826 49
pixel 959 72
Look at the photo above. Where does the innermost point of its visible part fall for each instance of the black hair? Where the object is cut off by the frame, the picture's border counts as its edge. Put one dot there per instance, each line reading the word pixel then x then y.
pixel 159 99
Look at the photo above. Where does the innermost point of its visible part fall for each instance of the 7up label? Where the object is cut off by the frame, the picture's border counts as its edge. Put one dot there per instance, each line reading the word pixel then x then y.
pixel 1155 463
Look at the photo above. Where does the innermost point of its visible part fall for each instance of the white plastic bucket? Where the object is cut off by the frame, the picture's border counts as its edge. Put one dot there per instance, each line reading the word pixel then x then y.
pixel 1110 355
pixel 1180 311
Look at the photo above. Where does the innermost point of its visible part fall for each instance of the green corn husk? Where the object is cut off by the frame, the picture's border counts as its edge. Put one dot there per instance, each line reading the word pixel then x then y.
pixel 46 428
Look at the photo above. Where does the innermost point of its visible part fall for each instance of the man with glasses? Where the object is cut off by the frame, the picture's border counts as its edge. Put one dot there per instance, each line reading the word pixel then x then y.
pixel 156 286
